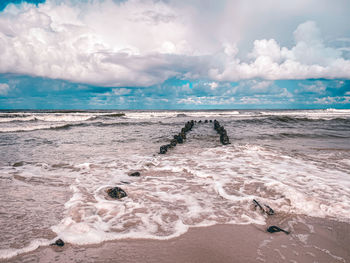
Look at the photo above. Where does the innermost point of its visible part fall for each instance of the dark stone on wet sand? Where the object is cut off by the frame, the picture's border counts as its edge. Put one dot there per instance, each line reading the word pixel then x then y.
pixel 116 192
pixel 59 242
pixel 273 229
pixel 135 174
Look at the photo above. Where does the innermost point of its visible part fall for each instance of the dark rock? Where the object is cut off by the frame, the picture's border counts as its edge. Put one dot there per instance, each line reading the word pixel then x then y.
pixel 206 121
pixel 224 139
pixel 173 142
pixel 183 135
pixel 273 229
pixel 163 149
pixel 221 130
pixel 135 174
pixel 200 121
pixel 216 124
pixel 116 192
pixel 210 121
pixel 18 164
pixel 59 242
pixel 178 138
pixel 266 209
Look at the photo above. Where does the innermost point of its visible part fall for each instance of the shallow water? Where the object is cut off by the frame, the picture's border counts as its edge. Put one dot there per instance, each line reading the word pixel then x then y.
pixel 55 168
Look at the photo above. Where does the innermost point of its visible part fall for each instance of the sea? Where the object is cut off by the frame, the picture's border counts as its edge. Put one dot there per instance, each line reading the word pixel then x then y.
pixel 56 167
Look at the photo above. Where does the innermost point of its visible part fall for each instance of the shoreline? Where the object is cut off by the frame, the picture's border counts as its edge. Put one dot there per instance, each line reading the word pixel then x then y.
pixel 310 240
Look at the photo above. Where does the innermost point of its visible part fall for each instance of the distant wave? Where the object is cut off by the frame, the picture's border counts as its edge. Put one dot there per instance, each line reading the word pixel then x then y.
pixel 112 115
pixel 287 135
pixel 17 119
pixel 66 126
pixel 39 127
pixel 293 119
pixel 56 117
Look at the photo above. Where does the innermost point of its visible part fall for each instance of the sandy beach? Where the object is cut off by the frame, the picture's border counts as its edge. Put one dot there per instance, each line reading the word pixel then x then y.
pixel 317 240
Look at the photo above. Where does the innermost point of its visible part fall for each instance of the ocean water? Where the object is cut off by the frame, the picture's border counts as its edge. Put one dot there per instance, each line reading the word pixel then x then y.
pixel 55 167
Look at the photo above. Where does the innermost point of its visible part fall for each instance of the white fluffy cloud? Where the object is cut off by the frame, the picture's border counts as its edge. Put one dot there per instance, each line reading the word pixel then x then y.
pixel 309 58
pixel 142 43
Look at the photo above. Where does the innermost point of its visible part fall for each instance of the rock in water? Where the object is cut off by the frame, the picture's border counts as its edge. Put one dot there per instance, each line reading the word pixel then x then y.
pixel 116 192
pixel 268 210
pixel 179 139
pixel 224 139
pixel 173 143
pixel 163 149
pixel 18 164
pixel 135 174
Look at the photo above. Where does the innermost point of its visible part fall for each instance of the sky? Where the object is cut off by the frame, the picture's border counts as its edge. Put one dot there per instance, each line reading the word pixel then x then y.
pixel 174 54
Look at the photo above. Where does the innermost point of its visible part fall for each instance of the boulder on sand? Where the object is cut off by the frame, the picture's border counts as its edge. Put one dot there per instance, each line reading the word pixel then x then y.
pixel 59 242
pixel 116 192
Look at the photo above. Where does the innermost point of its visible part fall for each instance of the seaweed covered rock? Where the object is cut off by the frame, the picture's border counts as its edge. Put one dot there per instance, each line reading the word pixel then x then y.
pixel 116 192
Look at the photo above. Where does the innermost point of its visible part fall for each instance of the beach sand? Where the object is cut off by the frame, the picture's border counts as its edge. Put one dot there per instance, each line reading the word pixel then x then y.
pixel 310 240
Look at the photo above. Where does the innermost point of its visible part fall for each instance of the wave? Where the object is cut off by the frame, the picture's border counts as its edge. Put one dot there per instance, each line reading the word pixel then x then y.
pixel 17 119
pixel 112 115
pixel 66 126
pixel 40 127
pixel 56 117
pixel 286 135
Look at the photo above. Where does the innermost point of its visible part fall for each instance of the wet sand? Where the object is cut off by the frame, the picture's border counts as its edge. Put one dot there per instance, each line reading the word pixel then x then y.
pixel 310 240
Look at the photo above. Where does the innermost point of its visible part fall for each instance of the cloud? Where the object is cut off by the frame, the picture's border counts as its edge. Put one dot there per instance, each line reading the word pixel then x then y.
pixel 332 100
pixel 144 43
pixel 213 85
pixel 317 87
pixel 309 58
pixel 121 91
pixel 205 100
pixel 4 89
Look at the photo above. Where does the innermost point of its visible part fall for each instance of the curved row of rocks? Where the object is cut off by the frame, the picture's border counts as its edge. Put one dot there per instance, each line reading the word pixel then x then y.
pixel 223 133
pixel 179 138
